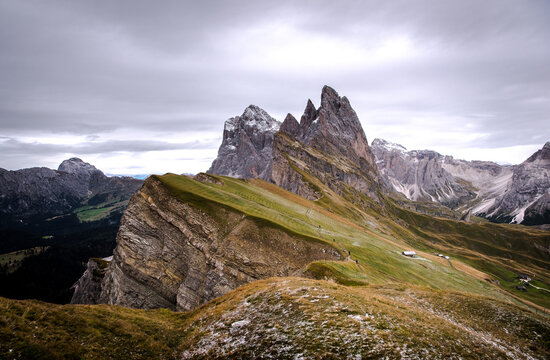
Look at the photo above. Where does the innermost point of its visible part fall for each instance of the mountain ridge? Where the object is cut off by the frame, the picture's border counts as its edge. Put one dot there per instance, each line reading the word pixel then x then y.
pixel 501 193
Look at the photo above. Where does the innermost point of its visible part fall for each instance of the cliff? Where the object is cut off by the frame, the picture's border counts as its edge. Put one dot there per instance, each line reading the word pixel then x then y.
pixel 330 146
pixel 246 149
pixel 179 254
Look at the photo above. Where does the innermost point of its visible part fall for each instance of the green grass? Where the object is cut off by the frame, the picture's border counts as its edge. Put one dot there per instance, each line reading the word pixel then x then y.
pixel 378 254
pixel 13 260
pixel 98 212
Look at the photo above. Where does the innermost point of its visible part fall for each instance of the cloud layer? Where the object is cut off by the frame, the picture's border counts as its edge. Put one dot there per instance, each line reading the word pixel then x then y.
pixel 141 87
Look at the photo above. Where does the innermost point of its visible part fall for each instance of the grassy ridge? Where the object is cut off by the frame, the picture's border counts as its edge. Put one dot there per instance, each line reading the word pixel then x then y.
pixel 374 257
pixel 282 318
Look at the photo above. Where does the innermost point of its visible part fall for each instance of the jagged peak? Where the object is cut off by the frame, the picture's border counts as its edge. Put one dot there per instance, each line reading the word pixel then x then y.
pixel 290 126
pixel 253 116
pixel 542 154
pixel 309 116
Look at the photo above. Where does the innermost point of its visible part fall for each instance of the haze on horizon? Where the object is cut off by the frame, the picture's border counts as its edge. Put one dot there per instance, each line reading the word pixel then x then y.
pixel 135 87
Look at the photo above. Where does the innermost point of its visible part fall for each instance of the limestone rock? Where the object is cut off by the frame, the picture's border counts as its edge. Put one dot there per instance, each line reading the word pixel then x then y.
pixel 420 175
pixel 517 194
pixel 246 149
pixel 330 146
pixel 171 254
pixel 87 289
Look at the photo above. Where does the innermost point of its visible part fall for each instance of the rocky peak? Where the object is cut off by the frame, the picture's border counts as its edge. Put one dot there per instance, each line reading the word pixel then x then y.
pixel 256 117
pixel 77 166
pixel 246 149
pixel 334 131
pixel 542 155
pixel 389 146
pixel 330 100
pixel 340 129
pixel 310 114
pixel 291 126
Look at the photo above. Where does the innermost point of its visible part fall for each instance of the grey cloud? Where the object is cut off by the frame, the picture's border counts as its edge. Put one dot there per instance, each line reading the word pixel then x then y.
pixel 12 147
pixel 88 67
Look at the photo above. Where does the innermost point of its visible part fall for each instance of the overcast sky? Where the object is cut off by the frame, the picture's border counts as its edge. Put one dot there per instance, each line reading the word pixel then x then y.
pixel 138 87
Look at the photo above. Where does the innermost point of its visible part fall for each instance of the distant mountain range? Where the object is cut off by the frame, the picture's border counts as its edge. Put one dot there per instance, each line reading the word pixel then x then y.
pixel 52 221
pixel 516 193
pixel 41 192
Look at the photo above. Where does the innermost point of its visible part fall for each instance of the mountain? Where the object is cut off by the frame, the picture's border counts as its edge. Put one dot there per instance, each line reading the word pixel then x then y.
pixel 42 192
pixel 52 221
pixel 185 240
pixel 252 147
pixel 517 193
pixel 525 199
pixel 250 137
pixel 312 263
pixel 420 175
pixel 330 146
pixel 177 249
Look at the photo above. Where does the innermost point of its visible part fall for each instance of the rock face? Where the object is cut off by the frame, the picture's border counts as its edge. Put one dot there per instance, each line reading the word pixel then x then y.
pixel 44 192
pixel 88 288
pixel 518 194
pixel 420 174
pixel 174 255
pixel 526 199
pixel 246 149
pixel 330 145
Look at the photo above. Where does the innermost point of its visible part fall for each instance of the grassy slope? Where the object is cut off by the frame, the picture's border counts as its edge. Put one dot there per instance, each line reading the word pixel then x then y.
pixel 37 330
pixel 377 250
pixel 100 211
pixel 282 318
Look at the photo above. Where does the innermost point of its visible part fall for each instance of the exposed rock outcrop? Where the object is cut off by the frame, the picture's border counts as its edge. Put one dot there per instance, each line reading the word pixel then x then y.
pixel 329 143
pixel 177 255
pixel 329 146
pixel 87 289
pixel 517 193
pixel 420 174
pixel 246 149
pixel 527 193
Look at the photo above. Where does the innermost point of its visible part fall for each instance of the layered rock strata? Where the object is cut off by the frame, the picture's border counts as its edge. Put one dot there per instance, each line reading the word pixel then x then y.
pixel 328 145
pixel 176 255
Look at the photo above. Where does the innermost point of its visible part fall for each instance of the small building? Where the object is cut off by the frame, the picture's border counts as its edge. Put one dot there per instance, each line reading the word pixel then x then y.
pixel 521 288
pixel 409 253
pixel 524 277
pixel 446 257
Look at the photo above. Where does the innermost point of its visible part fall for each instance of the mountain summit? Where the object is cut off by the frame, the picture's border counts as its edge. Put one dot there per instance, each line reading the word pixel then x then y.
pixel 333 128
pixel 76 166
pixel 328 143
pixel 246 149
